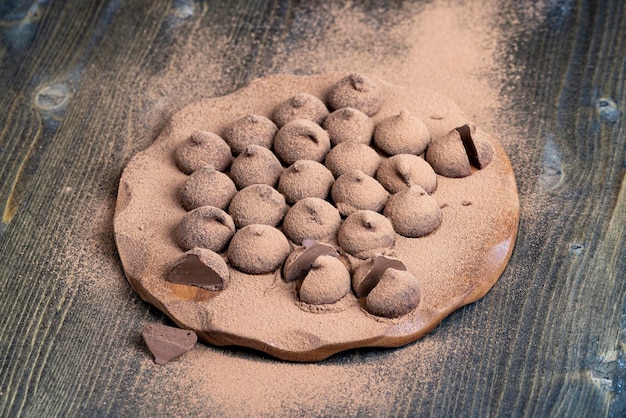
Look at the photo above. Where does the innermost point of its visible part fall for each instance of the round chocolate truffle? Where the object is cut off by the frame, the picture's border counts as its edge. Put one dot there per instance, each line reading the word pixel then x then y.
pixel 413 212
pixel 312 218
pixel 328 281
pixel 207 187
pixel 200 267
pixel 348 124
pixel 352 155
pixel 201 149
pixel 355 190
pixel 365 234
pixel 250 130
pixel 256 165
pixel 205 227
pixel 300 106
pixel 301 139
pixel 305 178
pixel 257 204
pixel 258 249
pixel 396 294
pixel 358 92
pixel 402 134
pixel 401 171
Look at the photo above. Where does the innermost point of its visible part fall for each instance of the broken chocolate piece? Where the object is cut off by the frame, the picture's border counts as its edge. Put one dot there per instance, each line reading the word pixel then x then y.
pixel 371 279
pixel 166 343
pixel 299 267
pixel 202 268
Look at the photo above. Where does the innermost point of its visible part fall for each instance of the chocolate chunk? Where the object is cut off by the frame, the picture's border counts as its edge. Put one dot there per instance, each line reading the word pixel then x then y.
pixel 166 343
pixel 381 264
pixel 302 264
pixel 200 267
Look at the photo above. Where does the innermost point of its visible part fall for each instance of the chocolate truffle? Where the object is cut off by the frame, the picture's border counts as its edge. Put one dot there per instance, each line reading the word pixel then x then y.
pixel 257 204
pixel 305 178
pixel 367 275
pixel 352 155
pixel 396 294
pixel 403 133
pixel 355 190
pixel 366 234
pixel 207 187
pixel 413 212
pixel 300 106
pixel 166 343
pixel 256 165
pixel 201 149
pixel 250 130
pixel 348 124
pixel 358 92
pixel 454 154
pixel 301 140
pixel 205 227
pixel 312 218
pixel 258 249
pixel 327 281
pixel 401 171
pixel 301 259
pixel 202 268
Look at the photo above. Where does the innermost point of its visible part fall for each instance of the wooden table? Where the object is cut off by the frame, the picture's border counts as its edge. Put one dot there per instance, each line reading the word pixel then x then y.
pixel 86 85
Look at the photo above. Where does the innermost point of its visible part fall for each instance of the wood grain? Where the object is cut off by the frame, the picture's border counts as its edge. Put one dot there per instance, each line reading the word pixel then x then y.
pixel 85 85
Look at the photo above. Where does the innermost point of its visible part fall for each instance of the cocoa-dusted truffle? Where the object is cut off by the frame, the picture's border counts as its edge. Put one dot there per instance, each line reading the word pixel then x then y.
pixel 301 140
pixel 403 133
pixel 367 275
pixel 300 106
pixel 301 259
pixel 365 234
pixel 454 154
pixel 250 130
pixel 258 249
pixel 201 149
pixel 257 204
pixel 327 281
pixel 202 268
pixel 413 212
pixel 358 92
pixel 312 218
pixel 396 294
pixel 207 187
pixel 404 170
pixel 205 227
pixel 305 178
pixel 256 165
pixel 348 124
pixel 352 155
pixel 355 190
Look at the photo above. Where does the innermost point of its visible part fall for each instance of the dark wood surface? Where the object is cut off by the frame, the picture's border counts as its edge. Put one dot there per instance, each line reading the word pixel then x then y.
pixel 85 85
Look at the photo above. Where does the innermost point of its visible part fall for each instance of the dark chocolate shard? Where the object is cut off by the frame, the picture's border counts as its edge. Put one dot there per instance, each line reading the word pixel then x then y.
pixel 470 147
pixel 380 265
pixel 196 268
pixel 166 343
pixel 302 264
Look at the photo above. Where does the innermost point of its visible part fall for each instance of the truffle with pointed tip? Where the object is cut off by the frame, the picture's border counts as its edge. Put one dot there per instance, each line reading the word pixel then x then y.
pixel 355 190
pixel 413 212
pixel 352 155
pixel 312 218
pixel 258 204
pixel 327 281
pixel 349 124
pixel 396 294
pixel 202 149
pixel 305 178
pixel 402 171
pixel 300 106
pixel 207 187
pixel 202 268
pixel 403 133
pixel 205 227
pixel 258 249
pixel 300 260
pixel 367 275
pixel 358 92
pixel 301 139
pixel 166 343
pixel 256 165
pixel 250 130
pixel 366 234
